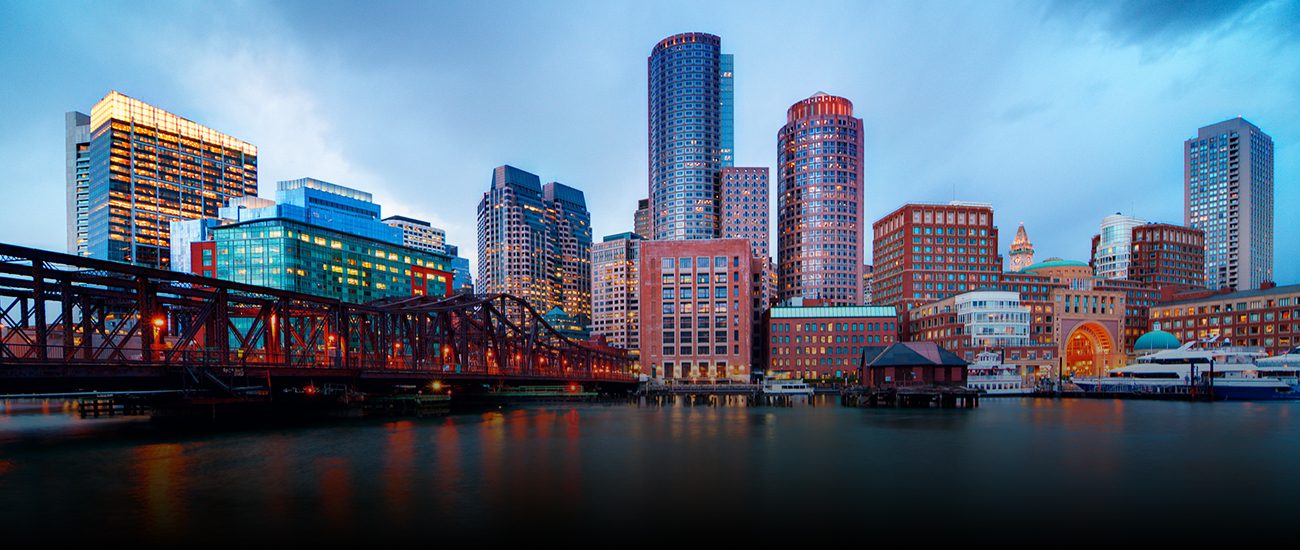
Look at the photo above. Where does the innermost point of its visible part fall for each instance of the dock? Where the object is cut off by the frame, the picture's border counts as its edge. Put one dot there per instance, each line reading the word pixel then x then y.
pixel 943 397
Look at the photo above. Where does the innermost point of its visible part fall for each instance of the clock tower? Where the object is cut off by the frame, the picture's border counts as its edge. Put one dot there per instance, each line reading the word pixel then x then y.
pixel 1022 251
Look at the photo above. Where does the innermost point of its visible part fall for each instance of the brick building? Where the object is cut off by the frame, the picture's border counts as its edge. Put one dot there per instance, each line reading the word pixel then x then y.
pixel 928 252
pixel 699 300
pixel 1268 318
pixel 816 341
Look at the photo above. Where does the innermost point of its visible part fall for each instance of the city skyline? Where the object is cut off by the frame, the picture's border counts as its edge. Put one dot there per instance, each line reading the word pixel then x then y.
pixel 947 112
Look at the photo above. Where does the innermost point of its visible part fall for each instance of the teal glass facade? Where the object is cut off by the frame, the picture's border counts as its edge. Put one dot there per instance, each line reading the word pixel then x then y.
pixel 298 257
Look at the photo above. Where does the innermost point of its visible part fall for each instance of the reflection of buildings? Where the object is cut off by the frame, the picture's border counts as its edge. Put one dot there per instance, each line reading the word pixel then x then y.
pixel 1228 194
pixel 1267 318
pixel 820 231
pixel 815 341
pixel 141 168
pixel 698 299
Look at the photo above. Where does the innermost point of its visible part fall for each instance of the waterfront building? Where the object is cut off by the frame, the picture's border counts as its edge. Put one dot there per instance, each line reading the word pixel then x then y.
pixel 317 238
pixel 1228 194
pixel 615 298
pixel 744 207
pixel 820 239
pixel 641 219
pixel 1022 251
pixel 691 134
pixel 535 242
pixel 419 234
pixel 811 340
pixel 1267 318
pixel 1112 247
pixel 133 169
pixel 928 252
pixel 1167 256
pixel 906 364
pixel 699 300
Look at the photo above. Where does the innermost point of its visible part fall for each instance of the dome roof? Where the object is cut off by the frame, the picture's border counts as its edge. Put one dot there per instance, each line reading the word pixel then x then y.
pixel 1156 340
pixel 1055 262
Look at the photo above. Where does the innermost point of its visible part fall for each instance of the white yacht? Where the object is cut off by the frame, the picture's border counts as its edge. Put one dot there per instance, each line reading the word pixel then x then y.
pixel 1230 370
pixel 996 379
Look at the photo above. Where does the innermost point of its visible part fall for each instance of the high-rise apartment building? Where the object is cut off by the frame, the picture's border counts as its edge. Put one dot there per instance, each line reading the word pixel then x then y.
pixel 615 297
pixel 139 168
pixel 77 129
pixel 691 134
pixel 744 206
pixel 1111 247
pixel 641 219
pixel 534 242
pixel 820 234
pixel 927 252
pixel 1228 194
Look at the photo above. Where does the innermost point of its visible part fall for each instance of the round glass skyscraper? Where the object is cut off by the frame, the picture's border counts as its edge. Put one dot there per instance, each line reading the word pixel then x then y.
pixel 819 202
pixel 690 131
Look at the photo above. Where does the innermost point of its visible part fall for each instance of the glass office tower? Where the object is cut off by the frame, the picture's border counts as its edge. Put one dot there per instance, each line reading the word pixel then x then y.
pixel 691 134
pixel 1228 194
pixel 146 168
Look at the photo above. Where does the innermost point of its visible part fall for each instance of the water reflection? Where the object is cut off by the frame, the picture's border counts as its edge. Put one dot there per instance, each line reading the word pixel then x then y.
pixel 652 471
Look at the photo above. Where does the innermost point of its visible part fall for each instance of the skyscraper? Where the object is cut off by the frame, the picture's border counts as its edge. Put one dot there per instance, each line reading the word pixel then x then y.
pixel 615 294
pixel 691 134
pixel 1228 194
pixel 534 242
pixel 744 206
pixel 819 202
pixel 140 168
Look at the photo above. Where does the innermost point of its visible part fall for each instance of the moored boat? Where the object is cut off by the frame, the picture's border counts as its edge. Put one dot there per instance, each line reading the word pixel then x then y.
pixel 988 373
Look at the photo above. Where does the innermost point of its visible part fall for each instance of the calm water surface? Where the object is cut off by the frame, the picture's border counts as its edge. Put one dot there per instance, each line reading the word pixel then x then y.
pixel 1013 469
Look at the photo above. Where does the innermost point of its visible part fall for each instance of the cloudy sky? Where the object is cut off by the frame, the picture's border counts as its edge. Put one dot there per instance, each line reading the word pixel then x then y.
pixel 1057 113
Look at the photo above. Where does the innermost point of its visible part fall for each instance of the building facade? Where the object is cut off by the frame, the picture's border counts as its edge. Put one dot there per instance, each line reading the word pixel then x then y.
pixel 928 252
pixel 141 168
pixel 1112 247
pixel 419 234
pixel 615 292
pixel 699 299
pixel 820 238
pixel 815 341
pixel 1267 318
pixel 1228 194
pixel 1167 256
pixel 641 219
pixel 535 243
pixel 744 207
pixel 690 132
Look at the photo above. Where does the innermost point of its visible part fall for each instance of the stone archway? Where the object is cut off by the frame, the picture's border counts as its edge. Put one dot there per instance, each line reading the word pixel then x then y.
pixel 1088 350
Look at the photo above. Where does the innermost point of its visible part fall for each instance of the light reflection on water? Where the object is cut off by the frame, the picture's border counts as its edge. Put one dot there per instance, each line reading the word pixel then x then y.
pixel 1013 468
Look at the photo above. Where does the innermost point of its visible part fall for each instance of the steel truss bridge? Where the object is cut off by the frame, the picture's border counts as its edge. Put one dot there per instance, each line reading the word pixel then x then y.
pixel 71 323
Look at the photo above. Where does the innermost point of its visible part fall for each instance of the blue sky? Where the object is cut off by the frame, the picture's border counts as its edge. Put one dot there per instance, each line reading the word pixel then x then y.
pixel 1057 113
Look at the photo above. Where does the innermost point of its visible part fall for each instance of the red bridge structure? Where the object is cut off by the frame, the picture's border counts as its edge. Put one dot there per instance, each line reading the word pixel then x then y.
pixel 70 324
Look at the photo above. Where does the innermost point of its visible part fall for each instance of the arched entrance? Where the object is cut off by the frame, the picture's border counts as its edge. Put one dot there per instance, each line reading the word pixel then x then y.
pixel 1088 350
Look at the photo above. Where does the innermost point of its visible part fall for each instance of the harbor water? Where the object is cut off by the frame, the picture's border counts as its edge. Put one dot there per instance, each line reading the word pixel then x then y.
pixel 685 471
